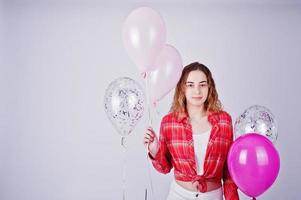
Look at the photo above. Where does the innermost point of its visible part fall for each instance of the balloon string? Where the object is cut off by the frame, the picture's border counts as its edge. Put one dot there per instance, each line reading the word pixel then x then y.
pixel 146 77
pixel 149 177
pixel 123 144
pixel 156 108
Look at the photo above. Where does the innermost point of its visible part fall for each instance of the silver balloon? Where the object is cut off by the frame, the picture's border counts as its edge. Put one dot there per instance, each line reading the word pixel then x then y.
pixel 124 104
pixel 256 119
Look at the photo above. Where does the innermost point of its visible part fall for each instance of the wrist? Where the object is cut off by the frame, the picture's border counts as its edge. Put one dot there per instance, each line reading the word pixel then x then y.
pixel 152 152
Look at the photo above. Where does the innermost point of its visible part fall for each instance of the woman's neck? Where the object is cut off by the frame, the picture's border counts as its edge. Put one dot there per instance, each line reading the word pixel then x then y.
pixel 196 113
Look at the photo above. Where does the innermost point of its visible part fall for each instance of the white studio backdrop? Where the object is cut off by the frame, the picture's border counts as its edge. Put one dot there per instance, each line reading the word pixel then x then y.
pixel 58 57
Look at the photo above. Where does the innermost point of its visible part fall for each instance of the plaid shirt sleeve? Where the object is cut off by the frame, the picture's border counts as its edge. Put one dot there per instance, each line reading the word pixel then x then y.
pixel 230 189
pixel 162 160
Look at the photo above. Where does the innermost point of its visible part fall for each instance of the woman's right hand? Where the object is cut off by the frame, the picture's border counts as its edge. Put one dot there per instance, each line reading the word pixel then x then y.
pixel 150 141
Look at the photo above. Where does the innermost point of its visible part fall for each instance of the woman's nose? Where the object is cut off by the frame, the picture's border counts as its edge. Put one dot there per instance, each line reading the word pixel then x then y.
pixel 197 90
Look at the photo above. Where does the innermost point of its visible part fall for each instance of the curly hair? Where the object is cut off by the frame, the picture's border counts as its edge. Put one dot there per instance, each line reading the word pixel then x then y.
pixel 212 102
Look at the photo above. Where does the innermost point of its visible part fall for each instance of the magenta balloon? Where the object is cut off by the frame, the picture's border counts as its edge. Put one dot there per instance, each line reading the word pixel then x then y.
pixel 167 74
pixel 144 35
pixel 253 163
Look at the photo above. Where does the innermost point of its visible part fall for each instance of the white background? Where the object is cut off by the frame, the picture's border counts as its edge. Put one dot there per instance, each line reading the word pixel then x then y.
pixel 58 57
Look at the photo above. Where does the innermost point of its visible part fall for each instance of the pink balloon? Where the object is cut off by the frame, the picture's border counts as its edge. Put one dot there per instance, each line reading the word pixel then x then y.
pixel 144 35
pixel 167 74
pixel 253 163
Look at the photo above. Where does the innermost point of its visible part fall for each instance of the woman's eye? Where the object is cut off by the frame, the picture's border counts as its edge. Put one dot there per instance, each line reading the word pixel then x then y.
pixel 189 85
pixel 203 85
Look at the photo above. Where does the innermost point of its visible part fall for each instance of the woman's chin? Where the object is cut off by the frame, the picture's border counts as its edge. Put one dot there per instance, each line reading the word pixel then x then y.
pixel 196 104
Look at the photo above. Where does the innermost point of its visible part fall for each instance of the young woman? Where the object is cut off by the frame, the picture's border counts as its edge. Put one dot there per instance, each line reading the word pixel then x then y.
pixel 195 138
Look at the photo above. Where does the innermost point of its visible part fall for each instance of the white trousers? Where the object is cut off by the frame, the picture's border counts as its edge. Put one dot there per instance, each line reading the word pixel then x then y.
pixel 177 192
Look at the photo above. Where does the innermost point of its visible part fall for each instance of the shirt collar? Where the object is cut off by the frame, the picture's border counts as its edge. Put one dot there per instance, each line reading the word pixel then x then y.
pixel 213 117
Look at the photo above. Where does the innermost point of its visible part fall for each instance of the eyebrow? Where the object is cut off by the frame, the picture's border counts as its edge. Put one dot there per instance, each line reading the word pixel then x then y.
pixel 193 82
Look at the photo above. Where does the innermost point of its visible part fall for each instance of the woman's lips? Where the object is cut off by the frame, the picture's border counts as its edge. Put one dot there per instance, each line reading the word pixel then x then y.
pixel 197 98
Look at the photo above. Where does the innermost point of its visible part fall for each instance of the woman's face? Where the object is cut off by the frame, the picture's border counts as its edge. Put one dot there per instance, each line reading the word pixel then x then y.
pixel 196 91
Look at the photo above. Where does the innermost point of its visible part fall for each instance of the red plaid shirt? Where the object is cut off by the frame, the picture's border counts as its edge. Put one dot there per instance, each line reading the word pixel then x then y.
pixel 176 150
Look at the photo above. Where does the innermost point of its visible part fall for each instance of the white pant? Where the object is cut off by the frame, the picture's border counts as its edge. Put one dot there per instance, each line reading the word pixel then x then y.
pixel 177 192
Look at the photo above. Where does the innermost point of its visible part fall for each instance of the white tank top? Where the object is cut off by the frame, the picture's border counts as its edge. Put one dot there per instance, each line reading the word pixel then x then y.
pixel 200 142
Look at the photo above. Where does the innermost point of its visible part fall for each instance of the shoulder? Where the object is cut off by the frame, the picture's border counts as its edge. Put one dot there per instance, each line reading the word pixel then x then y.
pixel 172 120
pixel 169 123
pixel 224 116
pixel 220 117
pixel 170 117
